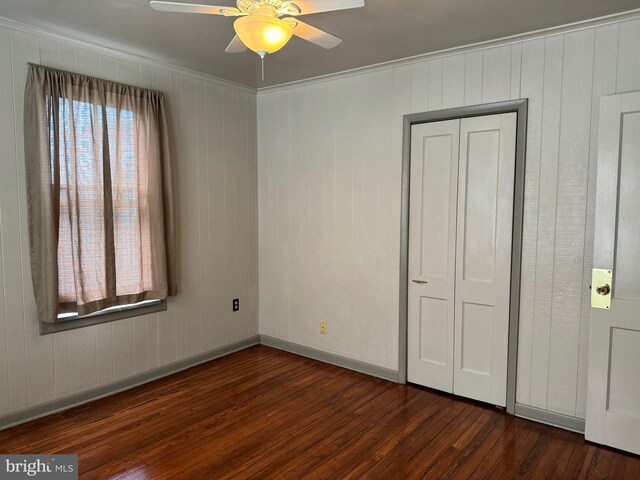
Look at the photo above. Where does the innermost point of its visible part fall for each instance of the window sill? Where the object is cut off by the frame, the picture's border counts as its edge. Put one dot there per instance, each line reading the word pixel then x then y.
pixel 109 315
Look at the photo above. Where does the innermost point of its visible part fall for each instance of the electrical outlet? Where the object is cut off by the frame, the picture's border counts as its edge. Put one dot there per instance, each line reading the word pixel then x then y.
pixel 236 304
pixel 323 327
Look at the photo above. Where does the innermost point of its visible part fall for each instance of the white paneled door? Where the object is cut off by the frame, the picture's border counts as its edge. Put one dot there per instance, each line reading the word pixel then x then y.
pixel 483 256
pixel 613 390
pixel 460 232
pixel 432 250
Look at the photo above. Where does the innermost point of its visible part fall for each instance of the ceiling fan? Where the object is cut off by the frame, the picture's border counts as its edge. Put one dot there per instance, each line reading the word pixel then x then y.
pixel 265 26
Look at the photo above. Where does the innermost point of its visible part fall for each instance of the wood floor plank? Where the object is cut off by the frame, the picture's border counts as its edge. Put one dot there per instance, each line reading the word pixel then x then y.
pixel 262 413
pixel 469 445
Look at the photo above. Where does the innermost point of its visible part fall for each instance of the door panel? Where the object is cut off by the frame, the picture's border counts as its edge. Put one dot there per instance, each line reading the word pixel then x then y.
pixel 627 257
pixel 483 256
pixel 433 330
pixel 624 396
pixel 435 185
pixel 480 190
pixel 477 323
pixel 432 228
pixel 613 393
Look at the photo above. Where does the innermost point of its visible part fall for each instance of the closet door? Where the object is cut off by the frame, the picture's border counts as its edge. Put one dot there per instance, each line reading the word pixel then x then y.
pixel 483 256
pixel 432 234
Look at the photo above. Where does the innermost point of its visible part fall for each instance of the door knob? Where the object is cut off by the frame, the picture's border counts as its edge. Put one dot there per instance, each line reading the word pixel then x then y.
pixel 601 279
pixel 419 281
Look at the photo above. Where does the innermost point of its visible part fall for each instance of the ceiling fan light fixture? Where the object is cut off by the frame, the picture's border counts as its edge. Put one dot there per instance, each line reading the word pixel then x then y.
pixel 263 33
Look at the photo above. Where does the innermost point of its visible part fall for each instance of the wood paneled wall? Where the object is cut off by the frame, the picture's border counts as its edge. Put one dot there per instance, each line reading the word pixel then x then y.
pixel 329 194
pixel 214 131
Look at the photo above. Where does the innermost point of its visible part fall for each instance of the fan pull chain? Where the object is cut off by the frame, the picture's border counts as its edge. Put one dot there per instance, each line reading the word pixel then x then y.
pixel 262 54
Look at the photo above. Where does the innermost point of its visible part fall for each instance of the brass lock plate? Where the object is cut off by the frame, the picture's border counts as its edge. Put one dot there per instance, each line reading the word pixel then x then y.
pixel 601 279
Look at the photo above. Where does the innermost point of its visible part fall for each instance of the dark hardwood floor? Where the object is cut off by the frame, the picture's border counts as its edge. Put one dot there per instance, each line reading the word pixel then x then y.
pixel 263 413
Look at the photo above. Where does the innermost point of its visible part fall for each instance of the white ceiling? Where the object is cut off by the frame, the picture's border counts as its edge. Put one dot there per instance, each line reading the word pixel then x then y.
pixel 381 31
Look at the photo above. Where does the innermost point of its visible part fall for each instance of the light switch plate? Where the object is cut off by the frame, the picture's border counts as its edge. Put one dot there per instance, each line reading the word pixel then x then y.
pixel 601 276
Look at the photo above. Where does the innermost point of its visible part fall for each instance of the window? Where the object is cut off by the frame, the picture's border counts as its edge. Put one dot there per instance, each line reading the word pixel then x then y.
pixel 100 198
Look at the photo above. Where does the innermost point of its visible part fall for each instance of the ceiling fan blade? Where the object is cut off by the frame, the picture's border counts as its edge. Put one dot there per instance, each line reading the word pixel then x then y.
pixel 315 35
pixel 163 6
pixel 316 6
pixel 236 46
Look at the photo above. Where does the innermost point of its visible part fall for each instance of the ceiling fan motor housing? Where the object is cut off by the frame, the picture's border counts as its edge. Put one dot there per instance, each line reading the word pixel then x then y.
pixel 280 7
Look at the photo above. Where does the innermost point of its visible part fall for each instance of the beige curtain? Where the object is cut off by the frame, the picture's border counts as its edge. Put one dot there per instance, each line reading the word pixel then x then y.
pixel 100 194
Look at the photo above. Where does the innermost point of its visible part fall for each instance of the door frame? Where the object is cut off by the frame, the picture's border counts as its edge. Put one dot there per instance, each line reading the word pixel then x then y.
pixel 520 107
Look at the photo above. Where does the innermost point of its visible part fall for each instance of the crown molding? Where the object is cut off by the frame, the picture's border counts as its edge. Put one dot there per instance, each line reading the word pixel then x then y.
pixel 118 52
pixel 518 38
